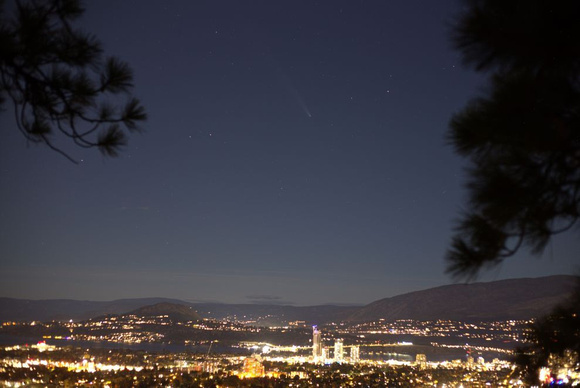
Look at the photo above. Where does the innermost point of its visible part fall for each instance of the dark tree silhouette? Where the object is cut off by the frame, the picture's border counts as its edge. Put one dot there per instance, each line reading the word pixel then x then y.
pixel 58 82
pixel 523 140
pixel 553 341
pixel 523 136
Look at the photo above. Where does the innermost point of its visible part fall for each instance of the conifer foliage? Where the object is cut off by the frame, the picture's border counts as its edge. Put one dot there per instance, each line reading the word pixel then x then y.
pixel 60 85
pixel 522 136
pixel 523 141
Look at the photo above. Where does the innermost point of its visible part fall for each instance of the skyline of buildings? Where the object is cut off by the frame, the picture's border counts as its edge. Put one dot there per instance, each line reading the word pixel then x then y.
pixel 321 353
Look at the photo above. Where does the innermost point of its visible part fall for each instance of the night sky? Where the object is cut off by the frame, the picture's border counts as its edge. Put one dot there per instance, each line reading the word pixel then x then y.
pixel 295 153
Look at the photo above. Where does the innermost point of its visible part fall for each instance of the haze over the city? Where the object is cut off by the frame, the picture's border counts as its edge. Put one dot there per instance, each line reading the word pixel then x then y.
pixel 295 153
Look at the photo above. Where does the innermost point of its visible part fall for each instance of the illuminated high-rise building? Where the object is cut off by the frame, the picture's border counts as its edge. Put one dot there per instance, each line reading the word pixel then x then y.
pixel 316 343
pixel 338 350
pixel 470 361
pixel 354 354
pixel 421 361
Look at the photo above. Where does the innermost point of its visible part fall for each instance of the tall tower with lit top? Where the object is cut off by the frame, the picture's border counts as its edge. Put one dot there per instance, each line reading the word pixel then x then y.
pixel 316 343
pixel 338 350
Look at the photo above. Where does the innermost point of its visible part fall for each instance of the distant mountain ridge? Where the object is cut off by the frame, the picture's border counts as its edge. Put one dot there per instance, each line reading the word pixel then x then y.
pixel 499 300
pixel 12 309
pixel 175 311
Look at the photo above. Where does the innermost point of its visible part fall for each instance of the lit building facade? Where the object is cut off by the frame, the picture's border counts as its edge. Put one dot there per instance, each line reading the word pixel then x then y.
pixel 421 361
pixel 354 354
pixel 338 350
pixel 316 344
pixel 252 368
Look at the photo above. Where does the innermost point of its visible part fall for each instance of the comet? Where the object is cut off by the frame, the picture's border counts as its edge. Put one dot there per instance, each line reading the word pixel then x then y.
pixel 287 83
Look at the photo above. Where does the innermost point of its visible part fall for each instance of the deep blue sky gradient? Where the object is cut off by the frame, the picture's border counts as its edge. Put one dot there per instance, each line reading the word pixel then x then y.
pixel 295 153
